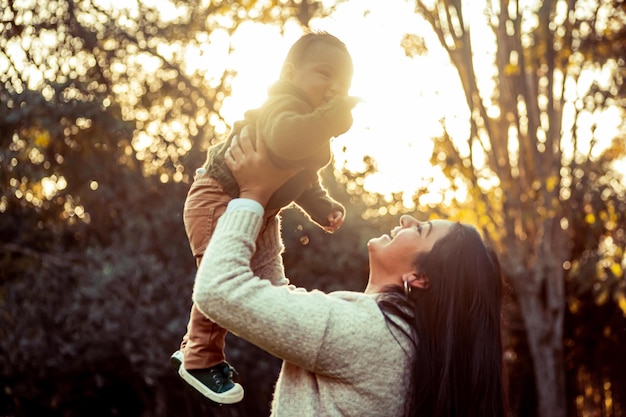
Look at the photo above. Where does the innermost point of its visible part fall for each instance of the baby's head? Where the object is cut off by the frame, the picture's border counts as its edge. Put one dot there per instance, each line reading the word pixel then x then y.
pixel 320 65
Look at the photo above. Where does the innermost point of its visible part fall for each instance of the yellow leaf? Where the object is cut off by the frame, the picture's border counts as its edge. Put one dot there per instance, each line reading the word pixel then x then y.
pixel 42 138
pixel 621 302
pixel 616 269
pixel 602 296
pixel 590 218
pixel 511 69
pixel 551 183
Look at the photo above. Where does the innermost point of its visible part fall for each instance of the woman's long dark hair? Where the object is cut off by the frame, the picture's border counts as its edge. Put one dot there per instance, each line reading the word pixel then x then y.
pixel 458 368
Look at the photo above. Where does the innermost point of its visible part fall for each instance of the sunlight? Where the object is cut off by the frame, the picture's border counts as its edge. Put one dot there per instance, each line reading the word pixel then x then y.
pixel 51 185
pixel 142 141
pixel 406 99
pixel 257 57
pixel 403 96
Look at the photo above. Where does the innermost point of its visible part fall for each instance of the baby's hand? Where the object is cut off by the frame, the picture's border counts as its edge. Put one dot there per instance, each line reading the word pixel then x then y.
pixel 335 220
pixel 339 113
pixel 353 101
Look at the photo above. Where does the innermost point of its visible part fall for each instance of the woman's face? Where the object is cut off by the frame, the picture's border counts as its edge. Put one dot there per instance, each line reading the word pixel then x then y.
pixel 393 255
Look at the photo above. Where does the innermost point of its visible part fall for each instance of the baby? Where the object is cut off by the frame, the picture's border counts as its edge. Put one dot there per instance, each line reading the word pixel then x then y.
pixel 307 107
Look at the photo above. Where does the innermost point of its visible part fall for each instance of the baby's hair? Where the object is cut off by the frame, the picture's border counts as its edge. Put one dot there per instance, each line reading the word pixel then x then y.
pixel 299 50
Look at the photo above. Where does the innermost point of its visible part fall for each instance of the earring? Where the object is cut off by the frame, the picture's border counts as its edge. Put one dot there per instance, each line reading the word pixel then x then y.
pixel 407 288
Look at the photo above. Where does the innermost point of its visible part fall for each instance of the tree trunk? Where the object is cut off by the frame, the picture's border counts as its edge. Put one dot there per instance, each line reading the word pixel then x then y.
pixel 540 297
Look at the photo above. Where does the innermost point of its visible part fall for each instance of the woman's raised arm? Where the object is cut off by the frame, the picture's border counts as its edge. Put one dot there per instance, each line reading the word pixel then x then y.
pixel 257 177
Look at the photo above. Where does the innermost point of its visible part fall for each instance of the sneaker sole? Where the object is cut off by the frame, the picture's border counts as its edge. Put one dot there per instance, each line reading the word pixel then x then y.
pixel 232 396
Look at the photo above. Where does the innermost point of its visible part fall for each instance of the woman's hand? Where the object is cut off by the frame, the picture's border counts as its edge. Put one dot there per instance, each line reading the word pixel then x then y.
pixel 257 177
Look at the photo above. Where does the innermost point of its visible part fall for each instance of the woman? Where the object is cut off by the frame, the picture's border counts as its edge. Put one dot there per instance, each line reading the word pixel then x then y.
pixel 422 340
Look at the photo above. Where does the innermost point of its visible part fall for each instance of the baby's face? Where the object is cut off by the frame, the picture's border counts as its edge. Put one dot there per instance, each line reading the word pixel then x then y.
pixel 325 72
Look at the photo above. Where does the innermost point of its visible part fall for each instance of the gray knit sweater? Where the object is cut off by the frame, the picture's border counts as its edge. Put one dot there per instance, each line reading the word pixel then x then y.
pixel 341 357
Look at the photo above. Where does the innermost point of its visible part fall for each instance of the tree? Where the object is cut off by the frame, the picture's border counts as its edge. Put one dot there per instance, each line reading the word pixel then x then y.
pixel 102 123
pixel 557 67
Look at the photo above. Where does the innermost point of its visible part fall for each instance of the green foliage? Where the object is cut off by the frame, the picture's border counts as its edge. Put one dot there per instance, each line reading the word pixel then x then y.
pixel 535 177
pixel 596 286
pixel 80 305
pixel 101 122
pixel 598 206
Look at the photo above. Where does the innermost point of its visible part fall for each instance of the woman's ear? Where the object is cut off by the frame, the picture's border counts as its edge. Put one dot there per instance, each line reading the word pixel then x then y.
pixel 417 279
pixel 287 71
pixel 422 281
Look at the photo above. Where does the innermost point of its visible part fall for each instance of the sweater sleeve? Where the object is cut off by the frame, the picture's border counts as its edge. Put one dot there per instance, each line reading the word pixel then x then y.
pixel 286 322
pixel 339 335
pixel 293 131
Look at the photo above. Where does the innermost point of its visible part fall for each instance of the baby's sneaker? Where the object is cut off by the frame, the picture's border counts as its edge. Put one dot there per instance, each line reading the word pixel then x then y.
pixel 215 383
pixel 177 359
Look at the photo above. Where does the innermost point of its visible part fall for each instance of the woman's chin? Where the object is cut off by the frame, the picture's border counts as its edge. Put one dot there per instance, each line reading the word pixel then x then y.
pixel 384 239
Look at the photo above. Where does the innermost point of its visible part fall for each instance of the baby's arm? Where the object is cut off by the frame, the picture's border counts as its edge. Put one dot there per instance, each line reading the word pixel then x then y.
pixel 321 207
pixel 293 131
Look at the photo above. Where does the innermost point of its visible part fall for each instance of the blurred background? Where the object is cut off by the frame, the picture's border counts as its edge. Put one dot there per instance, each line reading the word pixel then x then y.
pixel 506 115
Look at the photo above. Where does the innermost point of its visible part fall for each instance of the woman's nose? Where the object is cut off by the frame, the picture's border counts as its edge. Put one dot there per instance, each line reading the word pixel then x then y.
pixel 407 221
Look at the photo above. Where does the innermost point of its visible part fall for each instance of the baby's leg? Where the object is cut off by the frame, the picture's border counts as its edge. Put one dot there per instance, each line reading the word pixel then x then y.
pixel 203 345
pixel 267 261
pixel 201 360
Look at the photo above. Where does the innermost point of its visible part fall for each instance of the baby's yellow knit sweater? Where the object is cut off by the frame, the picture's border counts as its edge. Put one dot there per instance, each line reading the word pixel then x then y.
pixel 296 135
